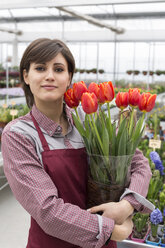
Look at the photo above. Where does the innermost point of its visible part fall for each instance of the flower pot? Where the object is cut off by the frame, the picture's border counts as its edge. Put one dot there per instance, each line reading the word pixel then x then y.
pixel 151 73
pixel 129 72
pixel 162 242
pixel 155 243
pixel 160 231
pixel 140 240
pixel 136 72
pixel 144 73
pixel 103 173
pixel 99 193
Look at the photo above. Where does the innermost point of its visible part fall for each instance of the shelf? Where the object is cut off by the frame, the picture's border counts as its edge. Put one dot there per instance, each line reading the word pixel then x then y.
pixel 3 183
pixel 3 180
pixel 132 244
pixel 1 160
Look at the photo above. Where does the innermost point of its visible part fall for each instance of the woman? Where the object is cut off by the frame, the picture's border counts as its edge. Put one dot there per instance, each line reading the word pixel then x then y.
pixel 45 163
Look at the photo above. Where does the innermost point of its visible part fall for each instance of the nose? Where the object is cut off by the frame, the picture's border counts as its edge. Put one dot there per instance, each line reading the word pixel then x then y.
pixel 50 75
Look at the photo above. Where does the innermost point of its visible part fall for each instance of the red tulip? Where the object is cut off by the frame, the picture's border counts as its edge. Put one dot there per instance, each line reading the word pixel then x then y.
pixel 89 102
pixel 70 99
pixel 147 102
pixel 122 100
pixel 106 92
pixel 134 96
pixel 93 87
pixel 112 88
pixel 78 89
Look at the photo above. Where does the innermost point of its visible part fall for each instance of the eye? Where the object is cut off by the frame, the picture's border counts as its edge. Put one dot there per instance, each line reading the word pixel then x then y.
pixel 59 69
pixel 40 68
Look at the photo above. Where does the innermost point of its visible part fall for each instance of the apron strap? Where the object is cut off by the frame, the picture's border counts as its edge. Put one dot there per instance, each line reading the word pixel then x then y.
pixel 41 136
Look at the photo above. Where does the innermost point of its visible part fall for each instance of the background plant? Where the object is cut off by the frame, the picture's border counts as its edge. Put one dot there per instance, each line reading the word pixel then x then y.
pixel 141 222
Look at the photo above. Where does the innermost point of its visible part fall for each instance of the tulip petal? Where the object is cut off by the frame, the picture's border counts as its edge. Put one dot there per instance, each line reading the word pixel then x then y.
pixel 122 100
pixel 101 95
pixel 151 103
pixel 106 92
pixel 93 87
pixel 70 99
pixel 134 97
pixel 78 89
pixel 89 103
pixel 147 102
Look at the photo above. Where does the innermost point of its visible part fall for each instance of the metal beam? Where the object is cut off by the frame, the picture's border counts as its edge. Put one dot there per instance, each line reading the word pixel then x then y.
pixel 17 4
pixel 11 31
pixel 100 36
pixel 92 20
pixel 117 16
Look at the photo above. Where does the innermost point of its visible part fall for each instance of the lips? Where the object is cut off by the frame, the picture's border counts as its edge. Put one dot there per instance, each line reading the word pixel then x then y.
pixel 49 87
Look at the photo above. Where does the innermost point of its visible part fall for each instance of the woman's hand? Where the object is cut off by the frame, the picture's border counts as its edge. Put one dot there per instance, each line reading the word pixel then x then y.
pixel 118 211
pixel 123 231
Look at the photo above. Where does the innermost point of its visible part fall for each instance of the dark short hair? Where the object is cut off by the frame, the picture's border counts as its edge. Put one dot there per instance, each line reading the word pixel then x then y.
pixel 41 51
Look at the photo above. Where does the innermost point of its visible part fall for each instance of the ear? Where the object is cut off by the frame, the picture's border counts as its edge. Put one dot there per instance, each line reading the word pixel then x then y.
pixel 25 76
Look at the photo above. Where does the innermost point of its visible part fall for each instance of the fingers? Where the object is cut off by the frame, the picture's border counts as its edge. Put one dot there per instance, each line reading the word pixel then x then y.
pixel 96 209
pixel 123 231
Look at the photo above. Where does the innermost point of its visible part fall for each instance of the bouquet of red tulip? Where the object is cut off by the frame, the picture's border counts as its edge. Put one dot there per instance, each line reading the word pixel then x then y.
pixel 110 145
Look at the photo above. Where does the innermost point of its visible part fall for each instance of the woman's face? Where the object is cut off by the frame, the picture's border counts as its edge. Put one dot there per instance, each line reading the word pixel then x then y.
pixel 48 81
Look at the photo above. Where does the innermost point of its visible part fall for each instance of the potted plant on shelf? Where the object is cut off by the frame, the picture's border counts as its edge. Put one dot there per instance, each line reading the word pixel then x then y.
pixel 77 70
pixel 155 218
pixel 158 72
pixel 5 117
pixel 151 73
pixel 162 197
pixel 88 71
pixel 141 227
pixel 154 186
pixel 1 67
pixel 94 70
pixel 161 226
pixel 136 72
pixel 82 70
pixel 162 242
pixel 145 73
pixel 129 72
pixel 101 71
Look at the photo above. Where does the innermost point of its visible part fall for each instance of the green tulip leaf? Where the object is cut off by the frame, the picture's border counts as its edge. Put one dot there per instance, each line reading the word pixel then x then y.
pixel 120 136
pixel 79 126
pixel 105 139
pixel 87 127
pixel 113 141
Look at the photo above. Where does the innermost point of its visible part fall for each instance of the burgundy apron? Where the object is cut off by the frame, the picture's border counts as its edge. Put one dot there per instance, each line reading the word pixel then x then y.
pixel 71 165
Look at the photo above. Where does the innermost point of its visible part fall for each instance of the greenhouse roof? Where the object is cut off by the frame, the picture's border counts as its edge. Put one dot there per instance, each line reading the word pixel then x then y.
pixel 100 20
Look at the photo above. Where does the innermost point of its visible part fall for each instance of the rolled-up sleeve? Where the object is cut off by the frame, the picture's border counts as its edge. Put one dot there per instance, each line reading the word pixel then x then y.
pixel 139 183
pixel 37 193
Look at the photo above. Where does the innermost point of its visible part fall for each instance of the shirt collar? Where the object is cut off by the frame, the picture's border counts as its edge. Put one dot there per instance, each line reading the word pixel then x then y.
pixel 49 125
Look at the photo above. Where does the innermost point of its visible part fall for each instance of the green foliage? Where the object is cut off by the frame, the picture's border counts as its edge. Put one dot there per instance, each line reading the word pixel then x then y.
pixel 154 229
pixel 154 188
pixel 162 198
pixel 113 145
pixel 153 122
pixel 140 221
pixel 23 109
pixel 5 115
pixel 1 67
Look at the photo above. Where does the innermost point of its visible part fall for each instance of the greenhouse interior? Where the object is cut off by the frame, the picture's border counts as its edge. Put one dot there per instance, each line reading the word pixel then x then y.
pixel 119 52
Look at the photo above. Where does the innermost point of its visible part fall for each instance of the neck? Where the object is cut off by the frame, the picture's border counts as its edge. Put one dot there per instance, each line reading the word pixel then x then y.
pixel 53 112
